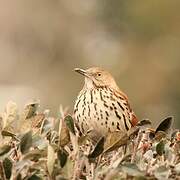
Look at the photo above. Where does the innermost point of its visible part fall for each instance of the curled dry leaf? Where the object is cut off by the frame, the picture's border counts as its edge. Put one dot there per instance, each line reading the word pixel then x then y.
pixel 10 114
pixel 30 109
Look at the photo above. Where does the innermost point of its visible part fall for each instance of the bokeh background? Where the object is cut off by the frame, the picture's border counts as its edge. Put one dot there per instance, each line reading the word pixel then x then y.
pixel 42 41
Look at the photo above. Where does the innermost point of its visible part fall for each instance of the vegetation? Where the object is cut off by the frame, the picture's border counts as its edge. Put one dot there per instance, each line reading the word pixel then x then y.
pixel 35 146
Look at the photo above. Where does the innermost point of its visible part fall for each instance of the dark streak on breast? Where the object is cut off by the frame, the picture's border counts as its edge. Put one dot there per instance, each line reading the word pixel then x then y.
pixel 89 110
pixel 91 96
pixel 82 127
pixel 106 105
pixel 84 100
pixel 95 106
pixel 78 103
pixel 118 126
pixel 83 111
pixel 117 115
pixel 127 128
pixel 121 106
pixel 107 114
pixel 101 96
pixel 101 116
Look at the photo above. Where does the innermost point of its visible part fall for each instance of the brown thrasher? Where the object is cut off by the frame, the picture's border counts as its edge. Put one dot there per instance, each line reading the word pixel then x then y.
pixel 101 106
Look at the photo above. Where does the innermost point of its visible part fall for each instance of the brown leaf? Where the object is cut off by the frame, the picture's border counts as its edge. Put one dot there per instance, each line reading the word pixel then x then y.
pixel 30 109
pixel 37 120
pixel 64 136
pixel 114 140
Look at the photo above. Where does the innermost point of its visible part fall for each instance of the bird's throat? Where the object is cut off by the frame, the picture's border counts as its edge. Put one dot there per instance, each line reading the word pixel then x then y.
pixel 89 84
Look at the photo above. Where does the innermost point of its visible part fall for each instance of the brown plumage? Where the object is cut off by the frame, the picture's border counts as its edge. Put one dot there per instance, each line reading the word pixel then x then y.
pixel 101 106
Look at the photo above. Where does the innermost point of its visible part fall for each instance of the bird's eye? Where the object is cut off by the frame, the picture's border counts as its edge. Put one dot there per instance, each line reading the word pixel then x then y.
pixel 99 74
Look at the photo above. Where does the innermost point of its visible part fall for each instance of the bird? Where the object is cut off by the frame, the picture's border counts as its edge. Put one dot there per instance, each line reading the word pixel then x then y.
pixel 101 106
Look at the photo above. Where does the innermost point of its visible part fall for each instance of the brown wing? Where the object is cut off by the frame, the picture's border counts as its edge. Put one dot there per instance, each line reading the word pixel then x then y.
pixel 134 119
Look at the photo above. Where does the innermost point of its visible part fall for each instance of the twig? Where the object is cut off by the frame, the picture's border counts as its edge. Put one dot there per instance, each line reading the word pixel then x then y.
pixel 60 124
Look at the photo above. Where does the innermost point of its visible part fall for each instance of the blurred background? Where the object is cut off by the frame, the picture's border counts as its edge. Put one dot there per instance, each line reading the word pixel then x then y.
pixel 42 41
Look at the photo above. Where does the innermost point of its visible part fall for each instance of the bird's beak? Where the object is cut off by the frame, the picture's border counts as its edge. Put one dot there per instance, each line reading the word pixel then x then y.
pixel 81 71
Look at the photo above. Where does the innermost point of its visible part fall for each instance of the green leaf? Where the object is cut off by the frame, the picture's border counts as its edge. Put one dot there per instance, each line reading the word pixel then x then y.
pixel 4 149
pixel 70 123
pixel 99 148
pixel 162 173
pixel 34 177
pixel 26 142
pixel 7 164
pixel 160 148
pixel 131 169
pixel 62 156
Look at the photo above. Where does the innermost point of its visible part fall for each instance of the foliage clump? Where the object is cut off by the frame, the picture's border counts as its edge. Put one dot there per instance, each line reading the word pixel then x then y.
pixel 35 145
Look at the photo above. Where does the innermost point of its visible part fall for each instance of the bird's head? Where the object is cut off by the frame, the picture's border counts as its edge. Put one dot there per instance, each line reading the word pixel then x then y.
pixel 97 77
